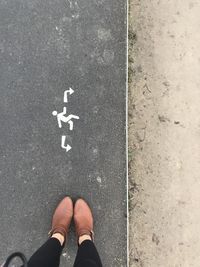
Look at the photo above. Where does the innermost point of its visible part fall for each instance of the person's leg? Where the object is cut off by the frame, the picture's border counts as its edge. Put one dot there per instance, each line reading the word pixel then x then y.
pixel 87 255
pixel 48 255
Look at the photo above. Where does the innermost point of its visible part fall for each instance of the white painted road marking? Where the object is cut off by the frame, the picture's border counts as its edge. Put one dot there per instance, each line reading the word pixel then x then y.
pixel 67 147
pixel 70 92
pixel 62 118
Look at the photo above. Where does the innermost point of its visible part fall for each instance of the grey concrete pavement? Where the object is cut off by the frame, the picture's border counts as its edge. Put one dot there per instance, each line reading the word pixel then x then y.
pixel 47 46
pixel 164 131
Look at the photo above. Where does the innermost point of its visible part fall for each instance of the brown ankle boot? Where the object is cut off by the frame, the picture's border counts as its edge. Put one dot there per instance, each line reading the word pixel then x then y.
pixel 62 217
pixel 83 219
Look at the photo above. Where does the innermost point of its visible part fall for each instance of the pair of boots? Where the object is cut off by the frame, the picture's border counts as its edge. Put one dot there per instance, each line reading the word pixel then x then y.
pixel 80 212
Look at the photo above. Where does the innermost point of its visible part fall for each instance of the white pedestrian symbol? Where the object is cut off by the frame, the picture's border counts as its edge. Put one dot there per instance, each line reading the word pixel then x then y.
pixel 66 147
pixel 70 92
pixel 66 119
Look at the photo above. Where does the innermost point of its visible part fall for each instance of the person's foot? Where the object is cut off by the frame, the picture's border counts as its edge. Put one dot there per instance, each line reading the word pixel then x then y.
pixel 83 220
pixel 61 219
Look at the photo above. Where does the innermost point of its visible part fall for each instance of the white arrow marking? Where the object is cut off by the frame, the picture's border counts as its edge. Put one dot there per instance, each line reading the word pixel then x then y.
pixel 67 147
pixel 70 92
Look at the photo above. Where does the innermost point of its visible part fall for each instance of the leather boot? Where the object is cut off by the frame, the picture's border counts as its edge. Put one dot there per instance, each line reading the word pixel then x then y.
pixel 62 217
pixel 83 219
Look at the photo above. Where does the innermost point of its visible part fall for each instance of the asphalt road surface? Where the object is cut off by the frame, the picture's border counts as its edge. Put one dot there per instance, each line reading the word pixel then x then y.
pixel 46 48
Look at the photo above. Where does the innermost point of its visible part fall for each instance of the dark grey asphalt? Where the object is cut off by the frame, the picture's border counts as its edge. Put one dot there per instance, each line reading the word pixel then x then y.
pixel 47 46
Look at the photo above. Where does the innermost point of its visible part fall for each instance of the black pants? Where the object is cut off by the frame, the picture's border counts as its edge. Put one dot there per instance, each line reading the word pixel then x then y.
pixel 49 255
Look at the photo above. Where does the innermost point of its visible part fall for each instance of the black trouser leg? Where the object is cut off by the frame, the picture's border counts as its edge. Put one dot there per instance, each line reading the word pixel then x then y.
pixel 87 255
pixel 47 255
